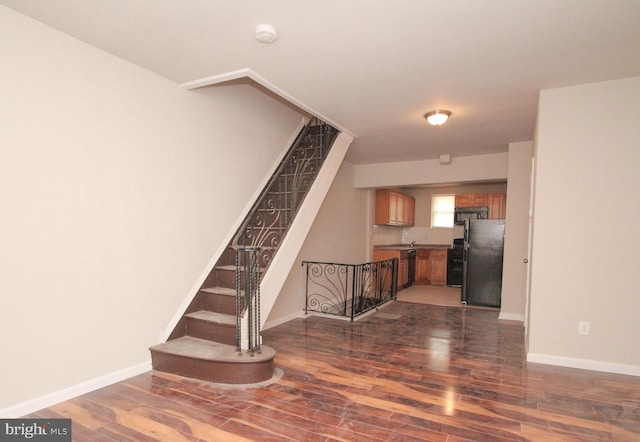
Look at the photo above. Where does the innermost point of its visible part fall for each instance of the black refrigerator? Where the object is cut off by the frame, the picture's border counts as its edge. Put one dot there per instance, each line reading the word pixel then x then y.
pixel 482 262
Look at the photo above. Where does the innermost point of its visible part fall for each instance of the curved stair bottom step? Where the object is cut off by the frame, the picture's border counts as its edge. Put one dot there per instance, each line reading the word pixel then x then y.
pixel 211 361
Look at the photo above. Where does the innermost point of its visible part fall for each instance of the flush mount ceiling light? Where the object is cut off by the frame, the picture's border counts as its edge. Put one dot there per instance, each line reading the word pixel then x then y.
pixel 437 117
pixel 266 34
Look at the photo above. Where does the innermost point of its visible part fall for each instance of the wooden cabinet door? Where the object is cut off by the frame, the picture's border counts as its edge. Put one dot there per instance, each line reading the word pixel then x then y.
pixel 497 203
pixel 394 209
pixel 409 210
pixel 397 209
pixel 463 200
pixel 438 261
pixel 471 200
pixel 382 207
pixel 423 267
pixel 478 200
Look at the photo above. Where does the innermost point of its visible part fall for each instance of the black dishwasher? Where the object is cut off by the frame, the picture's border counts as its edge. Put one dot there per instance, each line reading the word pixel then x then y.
pixel 412 267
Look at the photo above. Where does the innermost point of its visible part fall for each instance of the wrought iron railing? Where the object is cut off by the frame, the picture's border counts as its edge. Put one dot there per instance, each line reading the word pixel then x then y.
pixel 349 290
pixel 268 221
pixel 275 208
pixel 248 299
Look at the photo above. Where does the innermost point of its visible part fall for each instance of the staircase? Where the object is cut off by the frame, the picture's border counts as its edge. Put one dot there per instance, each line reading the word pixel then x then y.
pixel 207 342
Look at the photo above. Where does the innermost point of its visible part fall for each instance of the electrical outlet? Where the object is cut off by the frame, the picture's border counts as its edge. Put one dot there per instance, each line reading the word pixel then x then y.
pixel 583 328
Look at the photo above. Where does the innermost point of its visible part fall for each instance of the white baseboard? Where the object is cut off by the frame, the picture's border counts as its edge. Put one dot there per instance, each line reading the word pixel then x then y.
pixel 48 400
pixel 585 364
pixel 511 316
pixel 295 315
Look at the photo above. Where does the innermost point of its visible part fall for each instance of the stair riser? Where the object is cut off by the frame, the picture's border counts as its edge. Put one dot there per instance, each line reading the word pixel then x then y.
pixel 225 278
pixel 228 257
pixel 221 278
pixel 213 371
pixel 219 303
pixel 223 333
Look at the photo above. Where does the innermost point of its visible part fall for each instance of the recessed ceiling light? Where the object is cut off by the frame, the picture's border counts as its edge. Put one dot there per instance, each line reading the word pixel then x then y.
pixel 266 34
pixel 437 117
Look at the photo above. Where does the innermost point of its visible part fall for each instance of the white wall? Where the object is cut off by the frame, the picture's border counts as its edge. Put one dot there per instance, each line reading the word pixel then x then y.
pixel 338 235
pixel 476 168
pixel 585 249
pixel 516 243
pixel 116 188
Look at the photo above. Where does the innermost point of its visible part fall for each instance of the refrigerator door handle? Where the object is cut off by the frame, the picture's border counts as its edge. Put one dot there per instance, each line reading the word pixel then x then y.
pixel 466 231
pixel 463 291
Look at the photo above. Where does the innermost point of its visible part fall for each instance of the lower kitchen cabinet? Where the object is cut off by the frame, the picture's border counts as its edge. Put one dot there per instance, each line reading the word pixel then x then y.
pixel 438 261
pixel 431 266
pixel 423 269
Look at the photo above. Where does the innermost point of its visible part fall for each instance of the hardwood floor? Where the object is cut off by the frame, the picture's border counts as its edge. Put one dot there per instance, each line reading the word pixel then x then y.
pixel 409 372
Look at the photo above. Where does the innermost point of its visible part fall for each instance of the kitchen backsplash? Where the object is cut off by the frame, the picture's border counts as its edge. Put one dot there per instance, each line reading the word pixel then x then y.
pixel 387 235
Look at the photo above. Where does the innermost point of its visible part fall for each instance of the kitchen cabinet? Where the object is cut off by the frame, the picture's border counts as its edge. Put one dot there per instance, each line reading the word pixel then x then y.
pixel 410 210
pixel 471 200
pixel 394 208
pixel 438 263
pixel 431 266
pixel 423 269
pixel 497 203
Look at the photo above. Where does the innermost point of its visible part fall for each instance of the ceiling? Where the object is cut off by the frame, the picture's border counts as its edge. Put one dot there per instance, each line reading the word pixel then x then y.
pixel 374 67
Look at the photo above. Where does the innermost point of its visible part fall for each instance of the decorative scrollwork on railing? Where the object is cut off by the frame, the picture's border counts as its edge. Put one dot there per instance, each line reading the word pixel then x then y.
pixel 275 208
pixel 327 290
pixel 349 290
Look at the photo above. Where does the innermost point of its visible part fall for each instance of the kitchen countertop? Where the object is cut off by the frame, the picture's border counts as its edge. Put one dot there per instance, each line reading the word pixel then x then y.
pixel 409 247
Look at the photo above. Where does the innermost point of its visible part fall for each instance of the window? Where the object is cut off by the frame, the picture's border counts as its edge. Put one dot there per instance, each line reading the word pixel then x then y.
pixel 442 207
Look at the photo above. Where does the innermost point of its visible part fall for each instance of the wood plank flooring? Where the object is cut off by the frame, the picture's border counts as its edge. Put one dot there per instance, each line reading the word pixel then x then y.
pixel 407 373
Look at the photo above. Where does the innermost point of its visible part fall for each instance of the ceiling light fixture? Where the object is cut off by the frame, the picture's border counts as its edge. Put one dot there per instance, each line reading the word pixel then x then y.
pixel 437 117
pixel 266 34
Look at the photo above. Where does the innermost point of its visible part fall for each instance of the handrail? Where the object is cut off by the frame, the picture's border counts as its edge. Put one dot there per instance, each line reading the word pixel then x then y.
pixel 349 290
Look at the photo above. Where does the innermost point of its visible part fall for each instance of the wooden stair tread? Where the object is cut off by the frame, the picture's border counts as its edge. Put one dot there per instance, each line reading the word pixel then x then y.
pixel 219 290
pixel 190 347
pixel 231 267
pixel 227 267
pixel 209 316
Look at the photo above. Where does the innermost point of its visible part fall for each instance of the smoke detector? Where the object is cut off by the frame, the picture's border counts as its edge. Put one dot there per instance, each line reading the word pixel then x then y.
pixel 266 34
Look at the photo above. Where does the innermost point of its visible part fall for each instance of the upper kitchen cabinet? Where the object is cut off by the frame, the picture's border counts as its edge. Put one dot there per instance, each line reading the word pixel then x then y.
pixel 471 200
pixel 409 210
pixel 394 208
pixel 497 203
